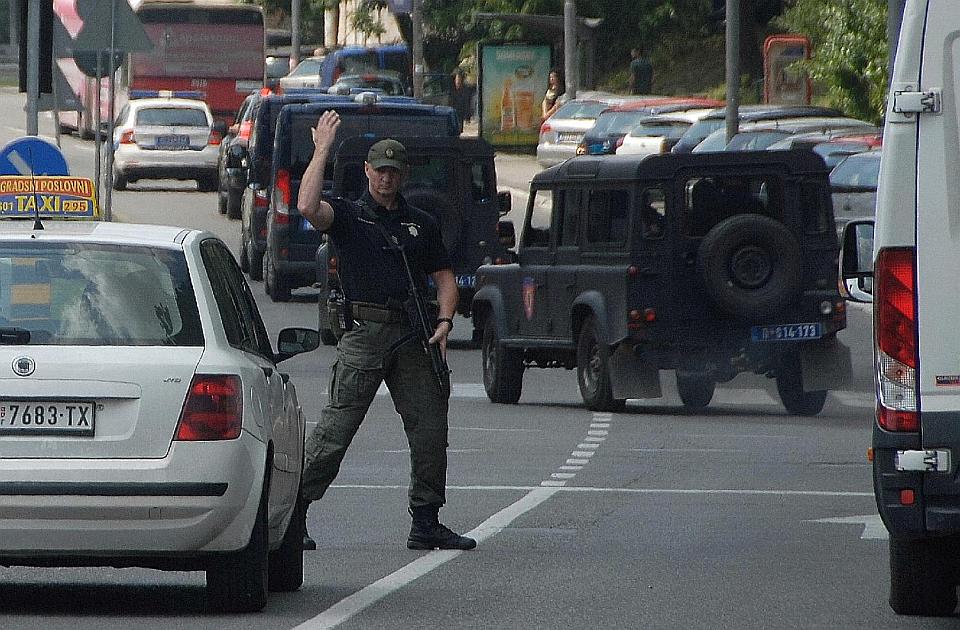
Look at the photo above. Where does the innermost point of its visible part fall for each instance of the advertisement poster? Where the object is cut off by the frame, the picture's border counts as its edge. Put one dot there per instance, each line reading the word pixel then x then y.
pixel 513 79
pixel 782 84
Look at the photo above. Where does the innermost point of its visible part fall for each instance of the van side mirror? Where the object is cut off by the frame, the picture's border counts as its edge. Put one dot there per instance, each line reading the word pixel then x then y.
pixel 507 234
pixel 504 202
pixel 856 261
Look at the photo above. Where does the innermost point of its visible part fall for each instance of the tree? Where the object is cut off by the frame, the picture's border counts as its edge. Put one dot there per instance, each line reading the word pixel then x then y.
pixel 849 39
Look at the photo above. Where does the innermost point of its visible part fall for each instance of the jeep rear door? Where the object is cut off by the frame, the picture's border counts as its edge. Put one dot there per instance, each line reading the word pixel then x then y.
pixel 536 256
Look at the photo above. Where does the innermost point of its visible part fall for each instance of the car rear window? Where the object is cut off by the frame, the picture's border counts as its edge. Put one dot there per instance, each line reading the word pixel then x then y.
pixel 580 110
pixel 616 122
pixel 172 116
pixel 857 171
pixel 97 295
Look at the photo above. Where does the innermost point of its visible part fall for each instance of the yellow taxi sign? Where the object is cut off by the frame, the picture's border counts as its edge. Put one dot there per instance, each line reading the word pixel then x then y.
pixel 50 196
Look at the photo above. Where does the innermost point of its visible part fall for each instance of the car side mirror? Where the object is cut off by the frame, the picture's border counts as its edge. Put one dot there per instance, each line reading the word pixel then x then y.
pixel 294 341
pixel 220 127
pixel 856 261
pixel 504 202
pixel 235 155
pixel 507 234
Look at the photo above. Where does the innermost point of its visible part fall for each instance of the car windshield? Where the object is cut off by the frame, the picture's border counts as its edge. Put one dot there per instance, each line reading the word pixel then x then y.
pixel 172 116
pixel 580 110
pixel 96 295
pixel 715 141
pixel 857 171
pixel 755 140
pixel 700 130
pixel 306 67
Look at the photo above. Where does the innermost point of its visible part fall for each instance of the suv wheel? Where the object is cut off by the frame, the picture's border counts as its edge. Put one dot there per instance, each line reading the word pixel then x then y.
pixel 922 576
pixel 221 198
pixel 273 283
pixel 593 370
pixel 502 367
pixel 790 387
pixel 255 260
pixel 234 199
pixel 695 389
pixel 750 266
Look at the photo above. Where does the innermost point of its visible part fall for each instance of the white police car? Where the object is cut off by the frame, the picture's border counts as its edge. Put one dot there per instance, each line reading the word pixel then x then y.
pixel 143 420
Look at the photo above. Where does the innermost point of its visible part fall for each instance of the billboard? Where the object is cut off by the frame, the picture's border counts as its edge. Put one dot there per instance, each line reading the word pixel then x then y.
pixel 513 79
pixel 782 84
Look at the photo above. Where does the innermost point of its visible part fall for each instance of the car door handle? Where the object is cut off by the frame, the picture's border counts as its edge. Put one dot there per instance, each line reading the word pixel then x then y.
pixel 267 371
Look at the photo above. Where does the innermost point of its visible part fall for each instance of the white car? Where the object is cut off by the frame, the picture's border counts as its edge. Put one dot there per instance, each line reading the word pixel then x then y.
pixel 305 75
pixel 143 420
pixel 658 134
pixel 166 138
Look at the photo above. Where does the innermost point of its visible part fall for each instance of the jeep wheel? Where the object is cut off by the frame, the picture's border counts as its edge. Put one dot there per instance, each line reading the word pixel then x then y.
pixel 922 580
pixel 750 266
pixel 273 282
pixel 502 367
pixel 695 389
pixel 790 387
pixel 593 371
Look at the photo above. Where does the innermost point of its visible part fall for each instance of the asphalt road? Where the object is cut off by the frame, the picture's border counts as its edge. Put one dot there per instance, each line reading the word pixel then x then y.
pixel 740 516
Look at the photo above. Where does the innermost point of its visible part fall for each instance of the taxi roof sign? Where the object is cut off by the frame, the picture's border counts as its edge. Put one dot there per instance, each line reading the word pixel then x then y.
pixel 47 196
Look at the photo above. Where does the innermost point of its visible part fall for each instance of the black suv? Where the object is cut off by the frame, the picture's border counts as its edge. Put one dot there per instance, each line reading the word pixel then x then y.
pixel 455 180
pixel 289 260
pixel 706 264
pixel 231 174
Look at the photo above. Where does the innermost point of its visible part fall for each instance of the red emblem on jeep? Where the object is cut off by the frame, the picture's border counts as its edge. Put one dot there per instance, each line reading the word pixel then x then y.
pixel 529 295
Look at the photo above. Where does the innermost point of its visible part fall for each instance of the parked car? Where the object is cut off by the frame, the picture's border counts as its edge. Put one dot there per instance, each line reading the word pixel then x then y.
pixel 561 133
pixel 166 138
pixel 143 421
pixel 755 136
pixel 230 176
pixel 305 75
pixel 658 134
pixel 833 151
pixel 746 114
pixel 289 259
pixel 853 183
pixel 384 82
pixel 616 121
pixel 362 59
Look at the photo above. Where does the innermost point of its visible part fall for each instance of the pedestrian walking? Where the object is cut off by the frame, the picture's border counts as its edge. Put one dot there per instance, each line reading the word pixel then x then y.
pixel 641 72
pixel 551 98
pixel 377 344
pixel 461 98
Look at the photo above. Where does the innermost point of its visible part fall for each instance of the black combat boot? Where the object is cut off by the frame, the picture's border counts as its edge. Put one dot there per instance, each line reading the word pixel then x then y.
pixel 309 544
pixel 427 532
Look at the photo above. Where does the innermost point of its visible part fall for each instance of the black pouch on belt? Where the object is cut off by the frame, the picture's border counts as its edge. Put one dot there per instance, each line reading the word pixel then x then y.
pixel 339 313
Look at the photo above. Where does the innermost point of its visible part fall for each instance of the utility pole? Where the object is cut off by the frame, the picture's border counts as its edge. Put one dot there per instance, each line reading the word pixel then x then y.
pixel 294 33
pixel 416 17
pixel 33 68
pixel 570 78
pixel 894 20
pixel 733 67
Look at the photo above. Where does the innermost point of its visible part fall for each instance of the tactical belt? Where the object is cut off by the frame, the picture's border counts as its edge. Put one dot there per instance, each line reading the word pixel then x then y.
pixel 371 312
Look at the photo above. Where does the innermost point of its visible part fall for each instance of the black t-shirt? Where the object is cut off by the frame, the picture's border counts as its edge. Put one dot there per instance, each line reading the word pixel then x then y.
pixel 370 271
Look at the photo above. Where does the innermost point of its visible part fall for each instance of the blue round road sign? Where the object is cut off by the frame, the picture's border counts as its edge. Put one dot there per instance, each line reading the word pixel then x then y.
pixel 31 155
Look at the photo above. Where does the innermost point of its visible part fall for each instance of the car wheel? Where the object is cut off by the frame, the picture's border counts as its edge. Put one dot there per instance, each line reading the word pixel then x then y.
pixel 238 582
pixel 273 283
pixel 502 367
pixel 255 263
pixel 208 183
pixel 119 181
pixel 244 257
pixel 750 266
pixel 286 562
pixel 790 387
pixel 922 576
pixel 233 203
pixel 593 370
pixel 695 389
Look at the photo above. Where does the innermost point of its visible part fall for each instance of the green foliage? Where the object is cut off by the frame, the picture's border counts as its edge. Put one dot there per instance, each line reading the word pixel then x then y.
pixel 849 60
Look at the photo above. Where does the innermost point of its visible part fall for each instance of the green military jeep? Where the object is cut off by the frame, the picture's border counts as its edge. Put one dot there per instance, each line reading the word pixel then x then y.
pixel 708 264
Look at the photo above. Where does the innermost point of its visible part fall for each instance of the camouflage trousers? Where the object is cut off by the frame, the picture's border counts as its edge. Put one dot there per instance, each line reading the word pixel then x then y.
pixel 366 357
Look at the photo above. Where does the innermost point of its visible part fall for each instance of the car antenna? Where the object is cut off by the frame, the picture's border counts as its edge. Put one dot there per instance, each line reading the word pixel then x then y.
pixel 37 225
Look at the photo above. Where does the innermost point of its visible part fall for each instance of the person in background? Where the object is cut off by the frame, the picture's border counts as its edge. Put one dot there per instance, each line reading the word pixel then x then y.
pixel 641 72
pixel 460 98
pixel 551 98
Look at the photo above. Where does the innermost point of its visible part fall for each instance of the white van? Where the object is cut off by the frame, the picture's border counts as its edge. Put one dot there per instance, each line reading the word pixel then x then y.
pixel 916 295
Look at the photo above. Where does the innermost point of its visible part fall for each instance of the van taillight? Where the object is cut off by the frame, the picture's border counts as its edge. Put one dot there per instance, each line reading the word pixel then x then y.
pixel 213 409
pixel 895 328
pixel 281 192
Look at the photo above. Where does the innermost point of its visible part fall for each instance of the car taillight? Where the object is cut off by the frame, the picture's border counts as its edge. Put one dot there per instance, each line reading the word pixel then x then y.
pixel 895 328
pixel 215 138
pixel 213 409
pixel 127 137
pixel 619 142
pixel 246 127
pixel 545 127
pixel 260 199
pixel 281 192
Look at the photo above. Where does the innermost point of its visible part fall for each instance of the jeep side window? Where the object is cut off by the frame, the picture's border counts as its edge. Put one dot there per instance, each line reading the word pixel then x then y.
pixel 569 228
pixel 479 176
pixel 653 213
pixel 608 217
pixel 814 201
pixel 542 206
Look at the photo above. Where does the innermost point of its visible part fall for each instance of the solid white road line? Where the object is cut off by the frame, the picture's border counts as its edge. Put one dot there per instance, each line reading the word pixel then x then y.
pixel 681 491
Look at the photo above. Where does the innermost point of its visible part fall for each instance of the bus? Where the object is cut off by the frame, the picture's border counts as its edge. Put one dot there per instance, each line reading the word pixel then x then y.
pixel 211 47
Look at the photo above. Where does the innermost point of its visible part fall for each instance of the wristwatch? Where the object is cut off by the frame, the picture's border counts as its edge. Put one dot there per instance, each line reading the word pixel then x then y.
pixel 445 319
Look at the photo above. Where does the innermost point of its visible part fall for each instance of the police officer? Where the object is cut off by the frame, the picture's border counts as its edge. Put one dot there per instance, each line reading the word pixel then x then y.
pixel 373 350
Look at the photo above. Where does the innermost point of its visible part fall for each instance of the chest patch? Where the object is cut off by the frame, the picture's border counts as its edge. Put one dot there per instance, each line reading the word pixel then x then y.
pixel 413 228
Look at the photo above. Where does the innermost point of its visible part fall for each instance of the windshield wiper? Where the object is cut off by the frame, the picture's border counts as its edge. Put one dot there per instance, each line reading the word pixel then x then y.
pixel 13 336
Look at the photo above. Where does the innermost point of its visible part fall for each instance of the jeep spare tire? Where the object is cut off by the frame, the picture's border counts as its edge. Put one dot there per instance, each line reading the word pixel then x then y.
pixel 442 208
pixel 750 266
